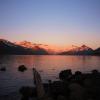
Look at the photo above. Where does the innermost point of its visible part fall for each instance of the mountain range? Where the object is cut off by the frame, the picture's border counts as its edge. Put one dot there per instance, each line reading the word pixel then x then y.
pixel 83 50
pixel 29 48
pixel 7 47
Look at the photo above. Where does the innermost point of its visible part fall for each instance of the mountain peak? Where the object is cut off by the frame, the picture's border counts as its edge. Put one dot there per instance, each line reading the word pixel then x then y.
pixel 3 40
pixel 6 42
pixel 83 45
pixel 85 48
pixel 25 44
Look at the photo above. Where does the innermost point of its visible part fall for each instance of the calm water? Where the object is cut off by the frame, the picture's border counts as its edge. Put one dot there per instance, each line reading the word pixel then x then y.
pixel 48 66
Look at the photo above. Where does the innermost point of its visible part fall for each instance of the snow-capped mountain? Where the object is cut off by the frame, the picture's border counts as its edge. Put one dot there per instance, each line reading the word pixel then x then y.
pixel 80 49
pixel 35 46
pixel 26 44
pixel 97 51
pixel 83 50
pixel 7 47
pixel 29 48
pixel 7 43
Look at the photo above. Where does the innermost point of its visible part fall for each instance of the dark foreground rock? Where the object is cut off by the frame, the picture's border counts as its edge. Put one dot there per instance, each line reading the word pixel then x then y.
pixel 77 86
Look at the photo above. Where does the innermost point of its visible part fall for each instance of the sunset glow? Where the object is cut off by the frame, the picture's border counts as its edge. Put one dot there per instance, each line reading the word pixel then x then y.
pixel 49 49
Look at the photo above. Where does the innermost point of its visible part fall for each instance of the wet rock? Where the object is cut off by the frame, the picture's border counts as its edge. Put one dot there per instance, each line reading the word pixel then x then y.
pixel 22 68
pixel 65 74
pixel 78 73
pixel 78 77
pixel 95 72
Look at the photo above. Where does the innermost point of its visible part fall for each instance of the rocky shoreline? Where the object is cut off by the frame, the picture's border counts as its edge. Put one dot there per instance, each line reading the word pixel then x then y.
pixel 77 86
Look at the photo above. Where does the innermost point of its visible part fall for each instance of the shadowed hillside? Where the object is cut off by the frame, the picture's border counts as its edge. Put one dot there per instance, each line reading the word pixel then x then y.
pixel 6 47
pixel 83 50
pixel 28 48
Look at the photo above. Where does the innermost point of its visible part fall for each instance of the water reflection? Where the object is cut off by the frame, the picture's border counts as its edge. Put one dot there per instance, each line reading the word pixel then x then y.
pixel 48 66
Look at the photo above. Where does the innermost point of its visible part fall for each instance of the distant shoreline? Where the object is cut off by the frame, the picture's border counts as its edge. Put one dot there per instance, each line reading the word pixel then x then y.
pixel 44 55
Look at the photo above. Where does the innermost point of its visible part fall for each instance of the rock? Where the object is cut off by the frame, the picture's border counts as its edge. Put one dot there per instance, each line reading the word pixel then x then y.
pixel 78 77
pixel 78 73
pixel 65 74
pixel 77 92
pixel 27 92
pixel 3 69
pixel 59 88
pixel 95 72
pixel 22 68
pixel 60 97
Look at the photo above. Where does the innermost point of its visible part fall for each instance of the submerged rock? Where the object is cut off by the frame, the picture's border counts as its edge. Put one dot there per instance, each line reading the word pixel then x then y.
pixel 22 68
pixel 3 69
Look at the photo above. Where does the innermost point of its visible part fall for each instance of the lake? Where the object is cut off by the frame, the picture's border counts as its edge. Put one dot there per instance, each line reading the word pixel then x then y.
pixel 48 66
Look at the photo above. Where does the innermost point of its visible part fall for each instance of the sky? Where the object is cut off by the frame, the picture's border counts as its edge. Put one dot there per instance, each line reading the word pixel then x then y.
pixel 54 22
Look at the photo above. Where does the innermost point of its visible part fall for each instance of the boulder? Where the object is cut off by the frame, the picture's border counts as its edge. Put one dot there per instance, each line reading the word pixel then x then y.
pixel 22 68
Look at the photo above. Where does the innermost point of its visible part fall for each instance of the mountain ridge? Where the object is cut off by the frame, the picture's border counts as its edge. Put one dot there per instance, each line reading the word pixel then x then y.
pixel 28 48
pixel 83 50
pixel 7 47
